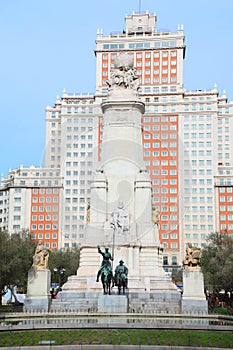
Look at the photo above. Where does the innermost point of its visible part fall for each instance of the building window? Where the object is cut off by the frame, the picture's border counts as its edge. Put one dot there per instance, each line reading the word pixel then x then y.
pixel 174 245
pixel 174 260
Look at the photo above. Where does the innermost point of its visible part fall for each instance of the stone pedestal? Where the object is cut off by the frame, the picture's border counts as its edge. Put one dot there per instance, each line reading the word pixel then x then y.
pixel 194 299
pixel 113 304
pixel 160 302
pixel 38 290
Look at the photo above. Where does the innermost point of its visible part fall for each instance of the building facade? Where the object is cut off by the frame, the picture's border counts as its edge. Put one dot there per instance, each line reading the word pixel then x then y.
pixel 31 199
pixel 186 142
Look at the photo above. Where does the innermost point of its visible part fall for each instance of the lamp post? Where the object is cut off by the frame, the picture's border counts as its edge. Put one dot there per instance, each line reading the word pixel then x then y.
pixel 61 272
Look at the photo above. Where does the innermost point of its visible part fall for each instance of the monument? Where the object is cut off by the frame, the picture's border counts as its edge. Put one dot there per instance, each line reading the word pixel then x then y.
pixel 194 299
pixel 39 280
pixel 120 208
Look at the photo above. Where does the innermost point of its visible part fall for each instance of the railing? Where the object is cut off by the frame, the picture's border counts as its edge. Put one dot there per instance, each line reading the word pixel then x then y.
pixel 117 337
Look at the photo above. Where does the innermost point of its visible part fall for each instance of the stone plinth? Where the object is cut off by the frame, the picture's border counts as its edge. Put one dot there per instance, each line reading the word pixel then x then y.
pixel 194 299
pixel 38 290
pixel 113 304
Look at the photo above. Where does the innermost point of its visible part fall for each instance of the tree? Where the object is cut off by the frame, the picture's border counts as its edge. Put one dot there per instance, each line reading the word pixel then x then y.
pixel 177 276
pixel 217 262
pixel 67 259
pixel 16 253
pixel 4 253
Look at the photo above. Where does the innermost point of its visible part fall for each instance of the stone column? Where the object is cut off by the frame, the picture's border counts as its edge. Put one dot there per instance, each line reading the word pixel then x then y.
pixel 98 205
pixel 38 296
pixel 194 299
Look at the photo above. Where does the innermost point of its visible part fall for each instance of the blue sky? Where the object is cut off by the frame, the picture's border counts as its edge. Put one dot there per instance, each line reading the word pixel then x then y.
pixel 47 45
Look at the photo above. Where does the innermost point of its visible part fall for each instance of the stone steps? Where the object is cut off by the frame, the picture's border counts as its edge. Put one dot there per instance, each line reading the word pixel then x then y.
pixel 145 303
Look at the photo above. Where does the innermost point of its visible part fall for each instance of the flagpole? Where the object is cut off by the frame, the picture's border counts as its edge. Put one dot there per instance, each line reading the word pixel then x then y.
pixel 139 7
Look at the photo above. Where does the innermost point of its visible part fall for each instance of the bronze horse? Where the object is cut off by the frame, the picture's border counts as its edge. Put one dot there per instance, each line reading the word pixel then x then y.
pixel 106 279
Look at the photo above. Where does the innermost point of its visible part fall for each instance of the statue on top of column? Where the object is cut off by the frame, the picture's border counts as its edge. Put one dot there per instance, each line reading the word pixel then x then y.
pixel 40 258
pixel 124 75
pixel 192 256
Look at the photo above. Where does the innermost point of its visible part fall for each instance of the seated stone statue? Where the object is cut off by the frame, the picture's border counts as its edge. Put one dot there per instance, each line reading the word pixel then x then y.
pixel 40 258
pixel 121 272
pixel 106 264
pixel 120 219
pixel 192 256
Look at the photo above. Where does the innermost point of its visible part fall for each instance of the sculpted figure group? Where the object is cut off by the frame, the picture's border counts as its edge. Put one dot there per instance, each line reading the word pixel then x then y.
pixel 40 258
pixel 109 280
pixel 124 75
pixel 192 256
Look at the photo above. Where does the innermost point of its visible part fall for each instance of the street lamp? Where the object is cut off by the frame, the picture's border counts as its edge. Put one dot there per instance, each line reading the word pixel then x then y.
pixel 61 272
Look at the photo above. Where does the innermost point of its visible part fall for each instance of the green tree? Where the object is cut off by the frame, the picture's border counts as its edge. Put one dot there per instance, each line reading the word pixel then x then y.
pixel 16 253
pixel 177 276
pixel 67 259
pixel 4 253
pixel 217 261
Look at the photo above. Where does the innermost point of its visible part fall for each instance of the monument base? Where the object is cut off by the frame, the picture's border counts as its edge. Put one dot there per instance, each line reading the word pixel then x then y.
pixel 113 304
pixel 38 296
pixel 149 289
pixel 194 307
pixel 194 299
pixel 160 302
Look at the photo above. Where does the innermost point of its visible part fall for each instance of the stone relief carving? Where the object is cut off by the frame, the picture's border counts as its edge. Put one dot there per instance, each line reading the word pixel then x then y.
pixel 155 215
pixel 88 212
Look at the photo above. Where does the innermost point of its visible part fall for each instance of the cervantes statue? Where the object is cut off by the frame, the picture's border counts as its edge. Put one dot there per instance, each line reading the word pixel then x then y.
pixel 120 219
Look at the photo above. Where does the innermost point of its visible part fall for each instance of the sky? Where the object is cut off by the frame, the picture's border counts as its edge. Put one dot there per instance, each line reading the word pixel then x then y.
pixel 48 45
